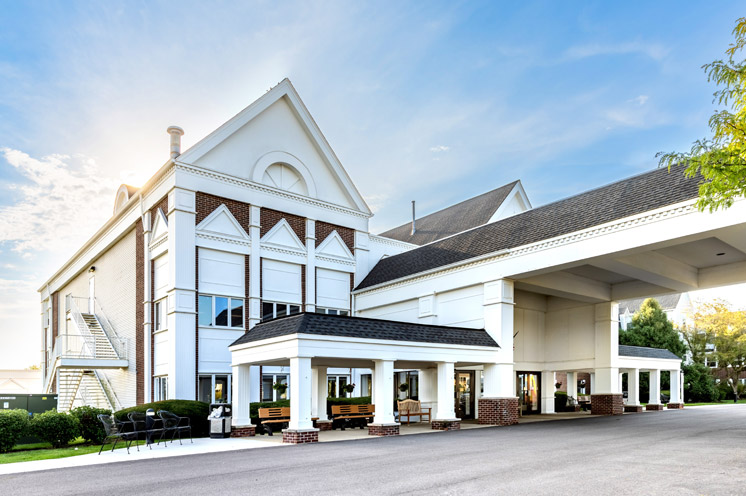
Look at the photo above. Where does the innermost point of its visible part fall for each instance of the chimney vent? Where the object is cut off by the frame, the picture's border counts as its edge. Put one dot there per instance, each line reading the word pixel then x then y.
pixel 176 132
pixel 413 219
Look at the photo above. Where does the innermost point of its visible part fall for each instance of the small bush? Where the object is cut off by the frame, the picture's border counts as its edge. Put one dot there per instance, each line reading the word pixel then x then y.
pixel 699 385
pixel 91 428
pixel 13 425
pixel 55 428
pixel 197 411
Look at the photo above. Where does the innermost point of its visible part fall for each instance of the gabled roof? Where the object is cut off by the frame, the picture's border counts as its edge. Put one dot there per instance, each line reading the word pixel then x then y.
pixel 365 328
pixel 643 352
pixel 655 189
pixel 667 302
pixel 457 218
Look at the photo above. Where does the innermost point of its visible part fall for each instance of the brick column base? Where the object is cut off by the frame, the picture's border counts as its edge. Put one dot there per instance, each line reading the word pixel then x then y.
pixel 243 431
pixel 324 425
pixel 290 436
pixel 498 411
pixel 607 404
pixel 446 425
pixel 675 406
pixel 632 408
pixel 383 429
pixel 653 408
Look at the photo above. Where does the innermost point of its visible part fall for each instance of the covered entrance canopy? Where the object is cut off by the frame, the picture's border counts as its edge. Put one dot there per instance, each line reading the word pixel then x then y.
pixel 311 342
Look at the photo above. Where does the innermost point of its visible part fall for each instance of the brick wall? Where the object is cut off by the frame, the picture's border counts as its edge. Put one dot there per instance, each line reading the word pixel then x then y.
pixel 653 408
pixel 562 377
pixel 300 437
pixel 446 425
pixel 498 411
pixel 139 313
pixel 607 404
pixel 206 204
pixel 243 431
pixel 383 430
pixel 268 219
pixel 324 229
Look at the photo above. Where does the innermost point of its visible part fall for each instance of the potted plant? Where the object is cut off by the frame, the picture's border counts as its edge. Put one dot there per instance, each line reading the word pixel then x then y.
pixel 280 387
pixel 348 388
pixel 404 387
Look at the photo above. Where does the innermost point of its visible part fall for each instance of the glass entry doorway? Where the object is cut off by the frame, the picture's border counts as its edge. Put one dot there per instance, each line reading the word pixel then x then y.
pixel 464 394
pixel 529 392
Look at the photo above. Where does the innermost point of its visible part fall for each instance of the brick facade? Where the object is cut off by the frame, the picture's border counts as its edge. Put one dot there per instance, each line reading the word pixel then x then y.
pixel 323 425
pixel 654 408
pixel 632 408
pixel 243 431
pixel 139 313
pixel 383 429
pixel 607 404
pixel 324 229
pixel 271 217
pixel 498 411
pixel 206 204
pixel 446 425
pixel 300 437
pixel 561 377
pixel 675 406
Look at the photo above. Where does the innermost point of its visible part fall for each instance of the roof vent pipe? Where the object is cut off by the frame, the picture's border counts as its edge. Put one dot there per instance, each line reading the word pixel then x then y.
pixel 413 219
pixel 176 132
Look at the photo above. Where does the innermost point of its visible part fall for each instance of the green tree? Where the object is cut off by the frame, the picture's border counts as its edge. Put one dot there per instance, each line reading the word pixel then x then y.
pixel 721 159
pixel 728 329
pixel 650 327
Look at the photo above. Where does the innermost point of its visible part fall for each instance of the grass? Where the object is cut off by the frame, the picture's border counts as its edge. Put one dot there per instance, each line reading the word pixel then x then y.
pixel 724 402
pixel 44 451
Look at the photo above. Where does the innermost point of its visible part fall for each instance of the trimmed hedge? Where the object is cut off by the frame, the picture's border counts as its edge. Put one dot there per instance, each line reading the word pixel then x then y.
pixel 197 411
pixel 91 428
pixel 55 428
pixel 13 425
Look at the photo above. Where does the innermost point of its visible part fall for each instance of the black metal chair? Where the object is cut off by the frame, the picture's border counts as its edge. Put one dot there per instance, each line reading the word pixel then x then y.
pixel 140 424
pixel 117 430
pixel 174 425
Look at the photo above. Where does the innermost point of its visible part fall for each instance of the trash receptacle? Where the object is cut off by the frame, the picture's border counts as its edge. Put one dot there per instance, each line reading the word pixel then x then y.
pixel 220 420
pixel 150 425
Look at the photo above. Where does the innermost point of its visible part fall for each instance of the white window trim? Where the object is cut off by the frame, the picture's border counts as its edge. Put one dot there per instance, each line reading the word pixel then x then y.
pixel 230 311
pixel 274 392
pixel 325 310
pixel 212 386
pixel 274 308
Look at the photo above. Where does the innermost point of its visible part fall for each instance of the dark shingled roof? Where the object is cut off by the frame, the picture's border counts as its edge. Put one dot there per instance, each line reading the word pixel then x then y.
pixel 457 218
pixel 641 351
pixel 359 327
pixel 667 302
pixel 635 195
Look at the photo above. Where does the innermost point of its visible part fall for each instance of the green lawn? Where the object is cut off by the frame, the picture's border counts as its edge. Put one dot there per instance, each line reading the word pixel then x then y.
pixel 43 451
pixel 724 402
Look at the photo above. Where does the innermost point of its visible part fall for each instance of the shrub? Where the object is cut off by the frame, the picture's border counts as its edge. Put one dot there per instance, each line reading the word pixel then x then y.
pixel 560 401
pixel 699 385
pixel 91 428
pixel 13 425
pixel 55 428
pixel 197 411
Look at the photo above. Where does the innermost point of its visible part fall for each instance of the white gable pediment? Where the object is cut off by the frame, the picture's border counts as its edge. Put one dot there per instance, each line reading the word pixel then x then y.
pixel 281 243
pixel 159 232
pixel 333 254
pixel 220 230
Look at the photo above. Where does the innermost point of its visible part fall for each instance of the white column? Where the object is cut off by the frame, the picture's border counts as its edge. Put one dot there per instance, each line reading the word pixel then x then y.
pixel 321 393
pixel 147 327
pixel 633 387
pixel 300 394
pixel 181 295
pixel 255 312
pixel 572 384
pixel 547 391
pixel 310 265
pixel 607 381
pixel 607 348
pixel 655 387
pixel 241 395
pixel 499 380
pixel 593 383
pixel 428 387
pixel 446 385
pixel 675 387
pixel 361 255
pixel 383 381
pixel 498 317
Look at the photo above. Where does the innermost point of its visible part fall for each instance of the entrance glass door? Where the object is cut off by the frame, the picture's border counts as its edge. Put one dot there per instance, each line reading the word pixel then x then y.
pixel 528 392
pixel 464 394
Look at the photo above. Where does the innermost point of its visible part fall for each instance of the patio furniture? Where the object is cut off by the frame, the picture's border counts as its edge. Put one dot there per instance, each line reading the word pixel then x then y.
pixel 116 430
pixel 175 425
pixel 412 408
pixel 140 422
pixel 352 415
pixel 269 417
pixel 584 402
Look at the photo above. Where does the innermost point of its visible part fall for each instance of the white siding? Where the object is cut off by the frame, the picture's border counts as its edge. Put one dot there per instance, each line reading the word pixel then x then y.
pixel 160 277
pixel 161 352
pixel 403 311
pixel 281 281
pixel 570 334
pixel 221 273
pixel 332 288
pixel 462 307
pixel 214 356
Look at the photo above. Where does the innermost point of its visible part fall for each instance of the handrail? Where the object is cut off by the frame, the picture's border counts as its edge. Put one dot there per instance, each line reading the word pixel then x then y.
pixel 118 344
pixel 81 346
pixel 51 370
pixel 111 395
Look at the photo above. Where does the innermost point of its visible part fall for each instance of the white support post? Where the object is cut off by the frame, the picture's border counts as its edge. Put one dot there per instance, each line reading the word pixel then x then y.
pixel 300 394
pixel 633 387
pixel 446 385
pixel 254 302
pixel 593 383
pixel 547 391
pixel 655 387
pixel 498 317
pixel 572 385
pixel 675 387
pixel 428 384
pixel 383 376
pixel 320 393
pixel 241 395
pixel 310 303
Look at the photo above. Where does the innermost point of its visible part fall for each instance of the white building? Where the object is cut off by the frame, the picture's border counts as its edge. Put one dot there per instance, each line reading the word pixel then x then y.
pixel 259 220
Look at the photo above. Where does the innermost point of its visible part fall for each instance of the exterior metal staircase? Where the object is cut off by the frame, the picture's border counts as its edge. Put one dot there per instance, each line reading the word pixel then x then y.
pixel 103 347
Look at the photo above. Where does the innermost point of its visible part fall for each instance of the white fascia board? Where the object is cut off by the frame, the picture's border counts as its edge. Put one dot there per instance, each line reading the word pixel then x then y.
pixel 645 363
pixel 374 238
pixel 517 191
pixel 196 178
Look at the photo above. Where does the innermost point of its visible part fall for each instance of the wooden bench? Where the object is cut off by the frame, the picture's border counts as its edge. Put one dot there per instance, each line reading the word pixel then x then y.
pixel 584 402
pixel 412 408
pixel 276 416
pixel 352 415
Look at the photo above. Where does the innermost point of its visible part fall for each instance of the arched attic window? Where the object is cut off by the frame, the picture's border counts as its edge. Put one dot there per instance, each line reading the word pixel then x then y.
pixel 285 177
pixel 124 193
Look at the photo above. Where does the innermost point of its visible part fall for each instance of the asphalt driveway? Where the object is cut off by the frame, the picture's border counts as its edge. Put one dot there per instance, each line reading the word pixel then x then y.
pixel 694 451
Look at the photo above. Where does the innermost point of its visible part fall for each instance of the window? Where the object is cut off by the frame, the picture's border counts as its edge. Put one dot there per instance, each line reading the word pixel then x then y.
pixel 158 315
pixel 411 379
pixel 335 383
pixel 271 394
pixel 160 388
pixel 272 310
pixel 215 388
pixel 332 311
pixel 366 385
pixel 220 311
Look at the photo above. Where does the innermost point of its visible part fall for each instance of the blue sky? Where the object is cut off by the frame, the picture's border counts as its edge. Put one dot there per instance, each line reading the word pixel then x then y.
pixel 435 102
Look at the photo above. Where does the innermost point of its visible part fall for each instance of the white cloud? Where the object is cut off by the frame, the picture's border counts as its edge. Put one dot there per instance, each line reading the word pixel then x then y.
pixel 639 100
pixel 655 51
pixel 440 148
